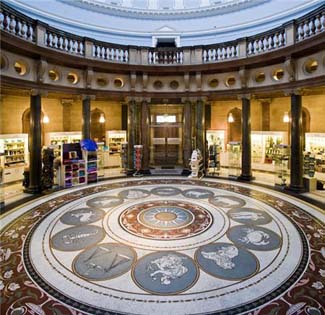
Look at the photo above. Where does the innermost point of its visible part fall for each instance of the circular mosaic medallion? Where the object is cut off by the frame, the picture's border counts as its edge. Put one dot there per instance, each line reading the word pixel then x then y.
pixel 225 201
pixel 254 237
pixel 227 261
pixel 76 238
pixel 249 216
pixel 197 193
pixel 165 220
pixel 134 194
pixel 166 191
pixel 82 216
pixel 165 272
pixel 104 261
pixel 104 202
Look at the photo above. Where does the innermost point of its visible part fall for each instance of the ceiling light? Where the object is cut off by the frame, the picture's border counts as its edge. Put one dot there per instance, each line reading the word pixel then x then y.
pixel 286 117
pixel 102 118
pixel 46 119
pixel 231 118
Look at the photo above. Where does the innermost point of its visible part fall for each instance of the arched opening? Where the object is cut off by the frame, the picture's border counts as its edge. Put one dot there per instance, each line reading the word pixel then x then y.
pixel 234 128
pixel 97 124
pixel 26 123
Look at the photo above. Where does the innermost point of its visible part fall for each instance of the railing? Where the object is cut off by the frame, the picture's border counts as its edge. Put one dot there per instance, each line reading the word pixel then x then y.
pixel 166 56
pixel 110 52
pixel 266 42
pixel 17 23
pixel 310 24
pixel 220 52
pixel 64 41
pixel 41 34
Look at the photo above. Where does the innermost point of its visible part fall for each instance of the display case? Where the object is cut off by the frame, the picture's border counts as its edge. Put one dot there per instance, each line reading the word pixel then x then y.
pixel 263 144
pixel 15 156
pixel 281 159
pixel 309 164
pixel 214 159
pixel 57 139
pixel 234 158
pixel 315 144
pixel 114 139
pixel 216 137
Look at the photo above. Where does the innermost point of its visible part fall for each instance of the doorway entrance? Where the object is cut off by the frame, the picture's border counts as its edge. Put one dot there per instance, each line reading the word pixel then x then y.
pixel 166 136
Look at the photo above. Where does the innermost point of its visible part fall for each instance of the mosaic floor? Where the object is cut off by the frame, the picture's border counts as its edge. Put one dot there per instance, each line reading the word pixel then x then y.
pixel 163 246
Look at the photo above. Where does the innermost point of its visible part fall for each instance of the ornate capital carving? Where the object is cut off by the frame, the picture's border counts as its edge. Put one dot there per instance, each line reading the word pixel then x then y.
pixel 88 97
pixel 265 100
pixel 66 101
pixel 246 96
pixel 289 92
pixel 40 92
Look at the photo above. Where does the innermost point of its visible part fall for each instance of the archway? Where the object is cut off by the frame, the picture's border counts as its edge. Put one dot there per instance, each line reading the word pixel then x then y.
pixel 234 128
pixel 26 123
pixel 97 128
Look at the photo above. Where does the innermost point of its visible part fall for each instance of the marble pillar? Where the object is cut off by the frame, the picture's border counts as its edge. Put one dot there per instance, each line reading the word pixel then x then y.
pixel 145 135
pixel 86 117
pixel 296 162
pixel 200 128
pixel 246 169
pixel 187 135
pixel 35 145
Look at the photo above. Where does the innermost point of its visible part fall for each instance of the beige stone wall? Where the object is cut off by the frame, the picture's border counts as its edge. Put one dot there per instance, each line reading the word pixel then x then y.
pixel 13 107
pixel 316 108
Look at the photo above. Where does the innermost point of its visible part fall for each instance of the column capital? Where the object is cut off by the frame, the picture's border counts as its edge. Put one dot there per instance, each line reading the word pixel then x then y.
pixel 289 92
pixel 265 100
pixel 34 92
pixel 88 97
pixel 245 96
pixel 66 101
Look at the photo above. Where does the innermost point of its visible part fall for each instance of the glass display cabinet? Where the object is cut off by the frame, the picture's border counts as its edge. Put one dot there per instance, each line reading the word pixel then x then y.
pixel 234 159
pixel 281 159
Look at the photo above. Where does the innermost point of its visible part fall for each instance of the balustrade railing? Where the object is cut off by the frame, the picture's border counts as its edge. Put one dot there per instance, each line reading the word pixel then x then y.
pixel 165 56
pixel 110 52
pixel 311 24
pixel 266 42
pixel 26 28
pixel 221 52
pixel 64 41
pixel 17 23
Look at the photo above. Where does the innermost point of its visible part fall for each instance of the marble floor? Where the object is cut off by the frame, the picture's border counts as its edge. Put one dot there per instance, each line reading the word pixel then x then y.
pixel 163 245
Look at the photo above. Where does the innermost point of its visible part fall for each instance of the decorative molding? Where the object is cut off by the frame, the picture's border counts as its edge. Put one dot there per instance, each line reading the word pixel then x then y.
pixel 88 97
pixel 198 80
pixel 144 81
pixel 243 76
pixel 187 81
pixel 34 92
pixel 290 66
pixel 89 75
pixel 133 79
pixel 246 96
pixel 41 69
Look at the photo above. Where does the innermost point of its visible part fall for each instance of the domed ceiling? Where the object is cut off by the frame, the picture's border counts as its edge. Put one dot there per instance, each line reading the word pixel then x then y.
pixel 188 22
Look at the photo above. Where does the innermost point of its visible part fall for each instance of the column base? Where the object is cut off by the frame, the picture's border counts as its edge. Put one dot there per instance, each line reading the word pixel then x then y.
pixel 145 172
pixel 246 178
pixel 185 172
pixel 296 188
pixel 35 190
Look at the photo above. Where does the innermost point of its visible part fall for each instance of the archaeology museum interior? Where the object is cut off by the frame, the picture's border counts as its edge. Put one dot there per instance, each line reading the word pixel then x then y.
pixel 162 157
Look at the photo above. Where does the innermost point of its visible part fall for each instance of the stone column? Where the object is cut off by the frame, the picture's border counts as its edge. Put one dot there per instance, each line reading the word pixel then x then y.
pixel 246 168
pixel 145 135
pixel 35 146
pixel 86 116
pixel 67 115
pixel 296 161
pixel 200 128
pixel 132 116
pixel 187 134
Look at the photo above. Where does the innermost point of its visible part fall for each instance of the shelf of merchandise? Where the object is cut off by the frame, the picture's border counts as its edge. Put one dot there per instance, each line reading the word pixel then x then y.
pixel 234 158
pixel 281 160
pixel 114 139
pixel 14 148
pixel 214 159
pixel 264 145
pixel 57 139
pixel 216 137
pixel 73 173
pixel 91 162
pixel 315 144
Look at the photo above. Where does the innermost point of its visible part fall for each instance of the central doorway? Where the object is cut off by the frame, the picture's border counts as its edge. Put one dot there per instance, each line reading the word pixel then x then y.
pixel 166 136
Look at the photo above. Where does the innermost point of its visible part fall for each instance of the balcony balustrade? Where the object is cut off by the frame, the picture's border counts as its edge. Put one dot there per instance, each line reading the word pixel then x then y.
pixel 41 34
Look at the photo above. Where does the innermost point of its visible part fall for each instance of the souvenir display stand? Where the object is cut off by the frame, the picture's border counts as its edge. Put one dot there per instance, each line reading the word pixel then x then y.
pixel 214 159
pixel 234 159
pixel 310 182
pixel 89 152
pixel 281 160
pixel 196 164
pixel 15 156
pixel 124 157
pixel 137 159
pixel 73 167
